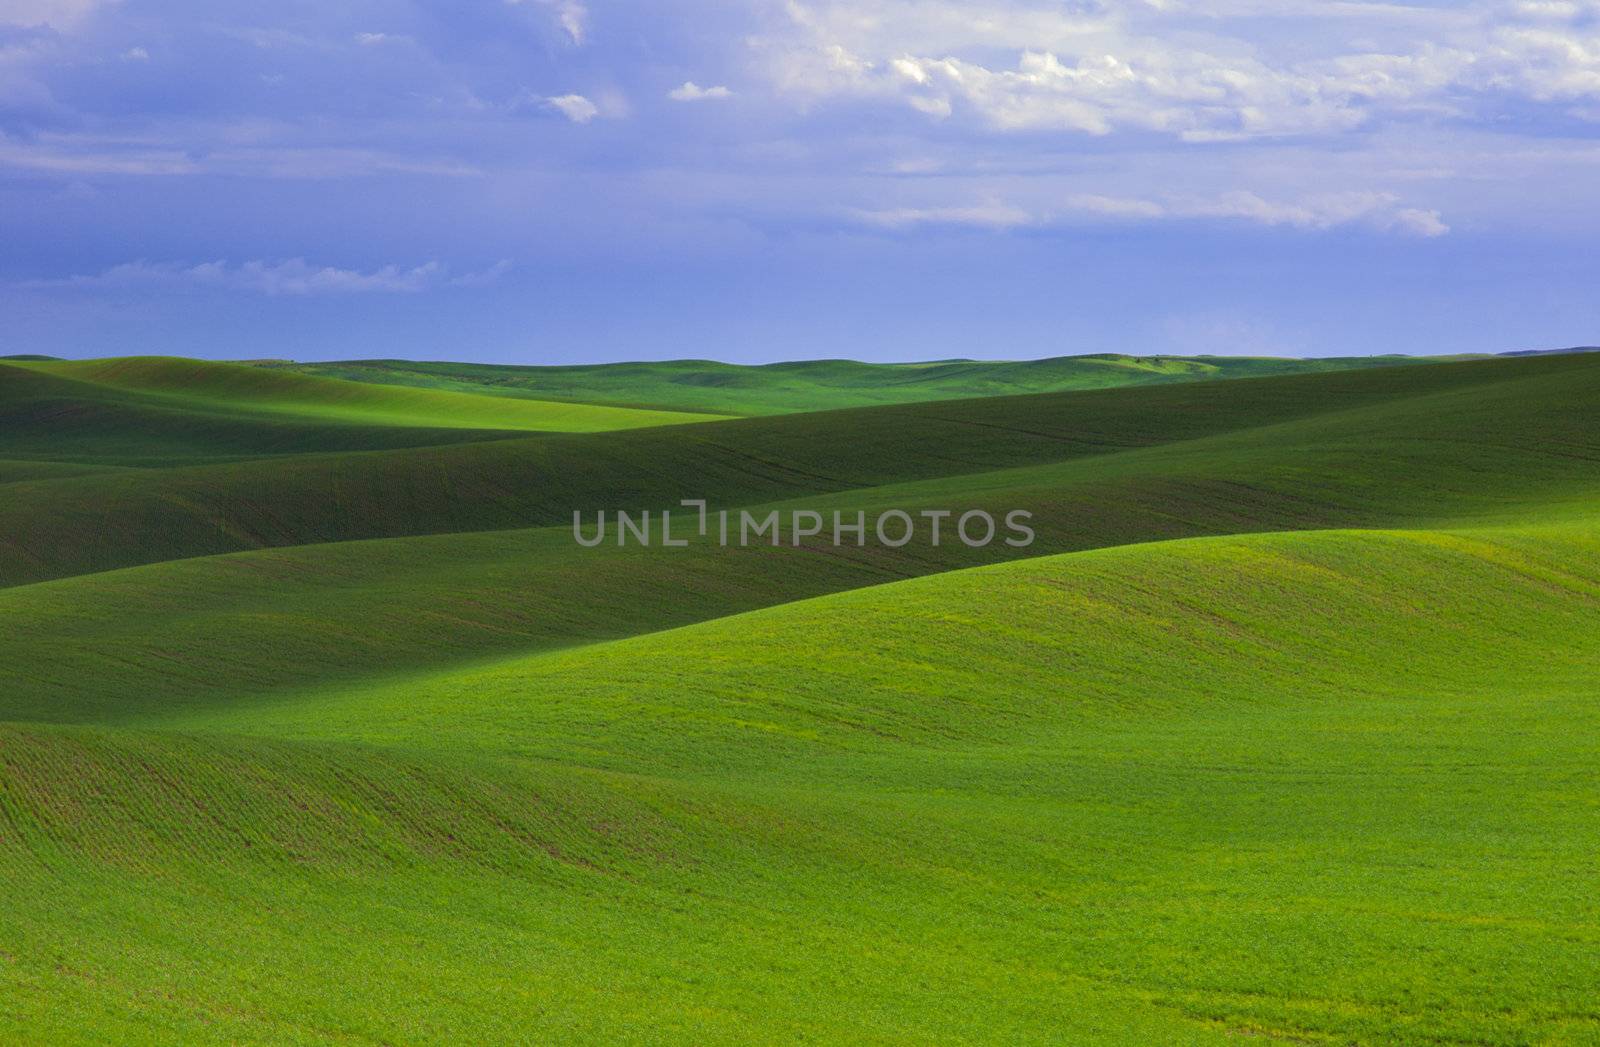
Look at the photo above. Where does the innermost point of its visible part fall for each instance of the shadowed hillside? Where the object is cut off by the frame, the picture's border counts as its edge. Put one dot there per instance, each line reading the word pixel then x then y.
pixel 159 411
pixel 287 617
pixel 513 484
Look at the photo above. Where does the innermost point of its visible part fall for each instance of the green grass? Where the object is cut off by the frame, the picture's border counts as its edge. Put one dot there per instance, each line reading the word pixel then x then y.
pixel 1283 731
pixel 817 385
pixel 166 411
pixel 908 814
pixel 53 427
pixel 70 526
pixel 1480 451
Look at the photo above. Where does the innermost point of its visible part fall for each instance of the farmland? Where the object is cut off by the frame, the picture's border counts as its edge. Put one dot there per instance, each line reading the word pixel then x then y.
pixel 317 726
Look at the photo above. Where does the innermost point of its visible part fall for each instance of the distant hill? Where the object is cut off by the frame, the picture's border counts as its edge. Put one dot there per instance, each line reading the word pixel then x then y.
pixel 815 385
pixel 1555 352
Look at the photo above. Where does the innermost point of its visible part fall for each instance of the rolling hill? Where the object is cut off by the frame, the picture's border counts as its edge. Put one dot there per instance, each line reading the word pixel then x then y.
pixel 157 410
pixel 989 829
pixel 97 523
pixel 1282 730
pixel 816 385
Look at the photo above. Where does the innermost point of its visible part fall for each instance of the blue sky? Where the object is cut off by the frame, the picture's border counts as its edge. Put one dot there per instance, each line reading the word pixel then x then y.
pixel 550 181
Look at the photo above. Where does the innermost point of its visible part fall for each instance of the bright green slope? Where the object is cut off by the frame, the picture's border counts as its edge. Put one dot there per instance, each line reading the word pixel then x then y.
pixel 818 385
pixel 1306 787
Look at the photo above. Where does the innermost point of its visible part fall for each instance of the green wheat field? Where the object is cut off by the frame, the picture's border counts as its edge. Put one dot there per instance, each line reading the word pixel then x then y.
pixel 318 727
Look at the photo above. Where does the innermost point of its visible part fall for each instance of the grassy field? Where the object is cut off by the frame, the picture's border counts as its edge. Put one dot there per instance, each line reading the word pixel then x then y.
pixel 815 385
pixel 318 728
pixel 162 411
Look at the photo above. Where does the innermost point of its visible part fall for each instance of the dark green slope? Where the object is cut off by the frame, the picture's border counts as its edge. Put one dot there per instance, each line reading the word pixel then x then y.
pixel 157 411
pixel 13 470
pixel 239 387
pixel 101 523
pixel 54 420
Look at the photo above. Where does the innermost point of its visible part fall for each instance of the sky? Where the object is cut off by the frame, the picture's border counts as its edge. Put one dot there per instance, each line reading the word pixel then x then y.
pixel 567 181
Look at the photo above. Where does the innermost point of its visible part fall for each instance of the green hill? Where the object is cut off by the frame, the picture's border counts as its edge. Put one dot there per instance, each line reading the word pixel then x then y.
pixel 1474 443
pixel 100 523
pixel 1008 805
pixel 816 385
pixel 278 391
pixel 59 426
pixel 1282 730
pixel 161 411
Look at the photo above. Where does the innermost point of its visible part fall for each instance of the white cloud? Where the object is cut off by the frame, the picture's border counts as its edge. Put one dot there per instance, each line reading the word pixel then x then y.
pixel 294 277
pixel 1202 72
pixel 1543 63
pixel 1377 211
pixel 73 157
pixel 1115 206
pixel 574 18
pixel 1380 211
pixel 1542 9
pixel 991 216
pixel 136 54
pixel 483 277
pixel 1419 222
pixel 693 92
pixel 234 149
pixel 570 15
pixel 1327 211
pixel 576 108
pixel 373 39
pixel 272 38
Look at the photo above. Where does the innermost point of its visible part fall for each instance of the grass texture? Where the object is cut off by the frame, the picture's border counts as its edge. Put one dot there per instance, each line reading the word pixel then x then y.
pixel 1283 731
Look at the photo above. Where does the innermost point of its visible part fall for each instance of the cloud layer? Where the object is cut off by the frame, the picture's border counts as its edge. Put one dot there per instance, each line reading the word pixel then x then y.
pixel 836 144
pixel 1378 211
pixel 988 90
pixel 1191 70
pixel 294 276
